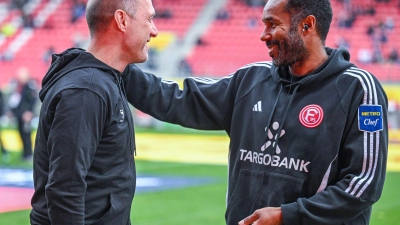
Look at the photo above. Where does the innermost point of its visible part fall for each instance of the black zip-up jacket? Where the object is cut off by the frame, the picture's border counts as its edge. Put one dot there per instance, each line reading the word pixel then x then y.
pixel 316 146
pixel 84 170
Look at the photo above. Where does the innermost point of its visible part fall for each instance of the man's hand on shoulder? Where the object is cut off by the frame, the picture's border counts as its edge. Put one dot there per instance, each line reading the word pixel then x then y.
pixel 264 216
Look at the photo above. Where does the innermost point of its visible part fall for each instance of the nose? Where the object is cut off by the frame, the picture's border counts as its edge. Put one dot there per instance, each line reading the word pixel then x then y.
pixel 154 31
pixel 265 35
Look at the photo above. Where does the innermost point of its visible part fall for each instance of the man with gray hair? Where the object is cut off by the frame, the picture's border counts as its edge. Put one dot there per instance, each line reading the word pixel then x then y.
pixel 84 169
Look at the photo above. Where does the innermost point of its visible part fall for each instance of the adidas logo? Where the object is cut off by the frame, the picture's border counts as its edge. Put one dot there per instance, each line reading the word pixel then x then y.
pixel 257 107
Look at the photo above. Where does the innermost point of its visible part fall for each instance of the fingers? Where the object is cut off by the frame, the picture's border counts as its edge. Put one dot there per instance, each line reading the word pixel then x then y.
pixel 249 220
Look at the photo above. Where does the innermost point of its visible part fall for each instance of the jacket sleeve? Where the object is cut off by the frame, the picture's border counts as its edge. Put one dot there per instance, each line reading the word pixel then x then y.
pixel 203 103
pixel 360 165
pixel 74 136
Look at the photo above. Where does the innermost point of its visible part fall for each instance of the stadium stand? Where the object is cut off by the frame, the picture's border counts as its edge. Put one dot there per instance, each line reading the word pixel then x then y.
pixel 54 32
pixel 234 42
pixel 229 42
pixel 176 15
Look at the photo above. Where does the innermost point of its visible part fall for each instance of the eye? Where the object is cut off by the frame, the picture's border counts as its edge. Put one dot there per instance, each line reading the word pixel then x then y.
pixel 271 24
pixel 151 18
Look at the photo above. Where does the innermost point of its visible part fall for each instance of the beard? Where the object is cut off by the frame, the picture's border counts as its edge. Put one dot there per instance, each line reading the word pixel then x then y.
pixel 292 49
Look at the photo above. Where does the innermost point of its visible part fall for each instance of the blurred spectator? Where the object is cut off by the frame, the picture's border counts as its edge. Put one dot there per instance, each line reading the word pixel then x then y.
pixel 252 22
pixel 377 56
pixel 18 4
pixel 346 19
pixel 348 5
pixel 393 56
pixel 371 30
pixel 369 10
pixel 164 14
pixel 222 14
pixel 152 61
pixel 364 56
pixel 4 154
pixel 8 56
pixel 185 70
pixel 77 10
pixel 27 20
pixel 47 54
pixel 200 42
pixel 380 33
pixel 389 23
pixel 21 103
pixel 342 42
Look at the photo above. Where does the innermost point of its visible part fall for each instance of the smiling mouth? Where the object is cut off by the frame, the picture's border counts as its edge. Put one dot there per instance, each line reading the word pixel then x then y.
pixel 271 44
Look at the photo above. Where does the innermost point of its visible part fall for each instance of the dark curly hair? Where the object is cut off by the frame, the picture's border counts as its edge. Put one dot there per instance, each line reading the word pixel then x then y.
pixel 320 9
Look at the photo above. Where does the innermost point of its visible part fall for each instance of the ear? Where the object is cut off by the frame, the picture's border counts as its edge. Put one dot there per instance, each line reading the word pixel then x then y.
pixel 308 24
pixel 121 18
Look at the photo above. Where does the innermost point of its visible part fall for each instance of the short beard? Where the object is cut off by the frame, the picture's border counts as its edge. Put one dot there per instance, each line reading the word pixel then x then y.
pixel 292 49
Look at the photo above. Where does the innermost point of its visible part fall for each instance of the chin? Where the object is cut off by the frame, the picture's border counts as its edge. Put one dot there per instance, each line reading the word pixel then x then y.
pixel 140 59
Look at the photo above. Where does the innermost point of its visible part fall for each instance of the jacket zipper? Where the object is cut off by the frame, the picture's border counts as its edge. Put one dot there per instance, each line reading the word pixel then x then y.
pixel 129 117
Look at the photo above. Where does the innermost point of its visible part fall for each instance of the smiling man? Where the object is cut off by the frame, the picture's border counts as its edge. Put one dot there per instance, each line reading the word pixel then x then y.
pixel 84 169
pixel 308 131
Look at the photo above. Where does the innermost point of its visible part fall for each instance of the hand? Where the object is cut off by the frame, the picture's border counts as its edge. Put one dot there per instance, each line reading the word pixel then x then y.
pixel 264 216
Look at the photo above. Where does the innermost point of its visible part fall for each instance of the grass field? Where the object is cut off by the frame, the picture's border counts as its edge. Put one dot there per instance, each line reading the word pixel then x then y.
pixel 204 204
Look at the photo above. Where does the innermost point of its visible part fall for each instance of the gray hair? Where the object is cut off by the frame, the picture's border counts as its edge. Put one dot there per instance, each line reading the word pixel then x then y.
pixel 99 13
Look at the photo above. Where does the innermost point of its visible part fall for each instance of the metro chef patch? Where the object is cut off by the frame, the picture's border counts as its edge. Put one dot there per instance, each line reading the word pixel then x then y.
pixel 370 118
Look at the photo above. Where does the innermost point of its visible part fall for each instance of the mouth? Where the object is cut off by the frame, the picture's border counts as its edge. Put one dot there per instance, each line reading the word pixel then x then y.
pixel 273 49
pixel 271 45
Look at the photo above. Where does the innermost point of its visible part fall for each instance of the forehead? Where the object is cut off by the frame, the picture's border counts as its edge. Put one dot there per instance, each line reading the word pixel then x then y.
pixel 275 9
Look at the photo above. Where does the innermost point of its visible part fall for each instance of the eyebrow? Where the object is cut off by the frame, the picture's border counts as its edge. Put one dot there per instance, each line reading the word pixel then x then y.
pixel 267 19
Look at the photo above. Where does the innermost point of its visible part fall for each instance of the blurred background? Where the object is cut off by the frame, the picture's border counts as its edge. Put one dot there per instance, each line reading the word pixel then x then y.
pixel 206 38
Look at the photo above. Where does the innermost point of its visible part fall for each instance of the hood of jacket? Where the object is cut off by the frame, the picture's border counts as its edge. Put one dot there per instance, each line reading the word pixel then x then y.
pixel 67 61
pixel 337 62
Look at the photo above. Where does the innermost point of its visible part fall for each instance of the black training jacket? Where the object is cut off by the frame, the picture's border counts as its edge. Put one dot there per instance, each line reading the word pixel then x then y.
pixel 84 170
pixel 316 146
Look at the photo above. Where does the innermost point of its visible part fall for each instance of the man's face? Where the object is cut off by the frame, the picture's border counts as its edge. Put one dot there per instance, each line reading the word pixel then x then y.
pixel 140 31
pixel 283 39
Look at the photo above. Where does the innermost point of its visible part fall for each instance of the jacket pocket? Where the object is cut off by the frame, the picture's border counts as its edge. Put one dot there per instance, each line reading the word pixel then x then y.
pixel 106 215
pixel 259 189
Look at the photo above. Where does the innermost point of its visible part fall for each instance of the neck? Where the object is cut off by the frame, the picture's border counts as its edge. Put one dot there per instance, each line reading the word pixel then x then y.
pixel 315 59
pixel 107 52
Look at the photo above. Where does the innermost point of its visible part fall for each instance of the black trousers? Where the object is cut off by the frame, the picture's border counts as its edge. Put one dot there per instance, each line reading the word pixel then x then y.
pixel 3 150
pixel 25 132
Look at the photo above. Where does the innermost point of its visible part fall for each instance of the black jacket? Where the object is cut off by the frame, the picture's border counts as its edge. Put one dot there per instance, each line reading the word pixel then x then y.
pixel 316 146
pixel 84 170
pixel 1 104
pixel 28 95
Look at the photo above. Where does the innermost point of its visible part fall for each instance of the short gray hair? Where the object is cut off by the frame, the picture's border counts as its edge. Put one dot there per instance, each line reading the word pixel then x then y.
pixel 99 13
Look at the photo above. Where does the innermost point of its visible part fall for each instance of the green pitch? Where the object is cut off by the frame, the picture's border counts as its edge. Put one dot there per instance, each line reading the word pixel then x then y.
pixel 206 204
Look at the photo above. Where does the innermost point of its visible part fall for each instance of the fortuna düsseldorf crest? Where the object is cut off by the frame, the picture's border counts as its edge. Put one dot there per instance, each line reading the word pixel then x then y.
pixel 311 116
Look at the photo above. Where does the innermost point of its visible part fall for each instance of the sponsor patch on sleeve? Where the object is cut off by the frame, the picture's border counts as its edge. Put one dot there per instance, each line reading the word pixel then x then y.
pixel 370 118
